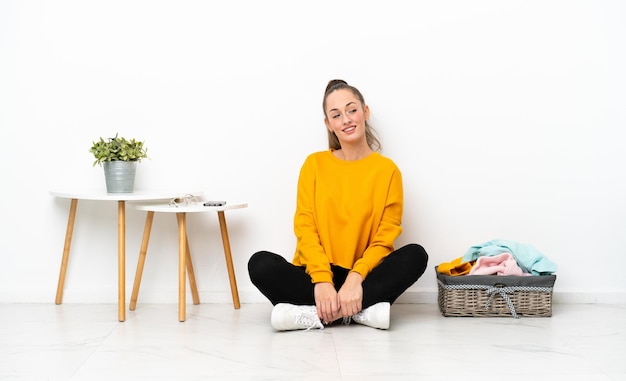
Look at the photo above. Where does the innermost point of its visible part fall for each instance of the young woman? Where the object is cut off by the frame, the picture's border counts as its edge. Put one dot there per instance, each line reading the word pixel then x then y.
pixel 348 215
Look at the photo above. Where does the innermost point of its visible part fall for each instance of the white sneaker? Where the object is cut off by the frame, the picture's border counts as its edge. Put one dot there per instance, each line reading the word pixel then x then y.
pixel 376 316
pixel 288 317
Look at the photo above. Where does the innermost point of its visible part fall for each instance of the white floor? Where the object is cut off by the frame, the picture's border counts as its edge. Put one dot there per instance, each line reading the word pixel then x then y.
pixel 86 342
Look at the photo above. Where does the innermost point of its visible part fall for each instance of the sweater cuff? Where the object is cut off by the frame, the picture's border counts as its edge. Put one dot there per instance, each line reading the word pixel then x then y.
pixel 321 277
pixel 362 269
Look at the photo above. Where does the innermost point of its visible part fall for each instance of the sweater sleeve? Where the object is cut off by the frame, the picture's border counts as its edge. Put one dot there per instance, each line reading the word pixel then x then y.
pixel 309 250
pixel 388 229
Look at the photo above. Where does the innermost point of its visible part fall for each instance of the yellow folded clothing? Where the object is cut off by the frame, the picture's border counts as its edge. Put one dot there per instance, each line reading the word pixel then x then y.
pixel 455 267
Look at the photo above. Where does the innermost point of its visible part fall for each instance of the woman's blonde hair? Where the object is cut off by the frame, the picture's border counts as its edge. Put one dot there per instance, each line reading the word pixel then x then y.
pixel 370 133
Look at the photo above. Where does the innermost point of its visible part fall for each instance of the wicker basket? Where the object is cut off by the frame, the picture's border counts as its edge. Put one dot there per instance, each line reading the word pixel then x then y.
pixel 495 295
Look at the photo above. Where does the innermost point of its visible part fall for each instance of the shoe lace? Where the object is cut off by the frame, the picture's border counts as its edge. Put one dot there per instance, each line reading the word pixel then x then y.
pixel 309 319
pixel 361 316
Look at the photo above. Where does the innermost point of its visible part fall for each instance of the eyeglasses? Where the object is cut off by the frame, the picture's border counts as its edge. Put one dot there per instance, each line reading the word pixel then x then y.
pixel 188 199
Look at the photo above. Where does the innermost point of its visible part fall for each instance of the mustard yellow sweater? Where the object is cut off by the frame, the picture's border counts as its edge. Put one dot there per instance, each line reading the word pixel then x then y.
pixel 348 213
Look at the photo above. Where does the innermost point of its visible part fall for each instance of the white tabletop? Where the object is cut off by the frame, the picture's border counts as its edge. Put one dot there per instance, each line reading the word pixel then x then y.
pixel 138 195
pixel 167 208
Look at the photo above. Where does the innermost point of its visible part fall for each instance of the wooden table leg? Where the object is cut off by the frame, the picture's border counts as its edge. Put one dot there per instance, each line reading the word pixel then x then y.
pixel 182 254
pixel 229 259
pixel 66 250
pixel 142 260
pixel 192 276
pixel 121 259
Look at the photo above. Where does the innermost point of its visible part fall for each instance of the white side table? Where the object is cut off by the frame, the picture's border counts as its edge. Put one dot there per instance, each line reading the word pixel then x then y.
pixel 184 256
pixel 121 199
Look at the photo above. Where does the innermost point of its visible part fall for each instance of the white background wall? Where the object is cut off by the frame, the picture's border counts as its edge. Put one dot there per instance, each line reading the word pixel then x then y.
pixel 507 119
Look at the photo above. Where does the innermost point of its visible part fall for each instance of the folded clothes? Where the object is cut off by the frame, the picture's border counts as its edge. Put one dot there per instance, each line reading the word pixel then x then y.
pixel 455 267
pixel 500 264
pixel 527 257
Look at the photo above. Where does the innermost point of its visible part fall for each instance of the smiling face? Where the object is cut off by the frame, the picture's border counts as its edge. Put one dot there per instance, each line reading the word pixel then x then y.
pixel 346 117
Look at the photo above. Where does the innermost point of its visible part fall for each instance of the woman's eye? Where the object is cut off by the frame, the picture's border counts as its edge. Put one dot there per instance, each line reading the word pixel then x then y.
pixel 335 116
pixel 352 111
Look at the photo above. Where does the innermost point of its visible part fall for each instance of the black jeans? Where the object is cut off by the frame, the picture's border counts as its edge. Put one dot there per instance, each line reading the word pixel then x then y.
pixel 282 282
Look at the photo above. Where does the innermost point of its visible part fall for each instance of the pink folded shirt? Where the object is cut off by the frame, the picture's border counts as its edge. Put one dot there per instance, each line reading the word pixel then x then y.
pixel 501 264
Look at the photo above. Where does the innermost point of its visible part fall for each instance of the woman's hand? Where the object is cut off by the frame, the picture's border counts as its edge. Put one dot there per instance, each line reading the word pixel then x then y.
pixel 351 295
pixel 326 302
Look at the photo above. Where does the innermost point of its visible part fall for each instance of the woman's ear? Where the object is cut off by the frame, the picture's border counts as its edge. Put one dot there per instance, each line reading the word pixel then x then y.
pixel 366 112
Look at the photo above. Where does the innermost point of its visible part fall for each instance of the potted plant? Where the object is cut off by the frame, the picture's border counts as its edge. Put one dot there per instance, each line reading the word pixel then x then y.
pixel 119 157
